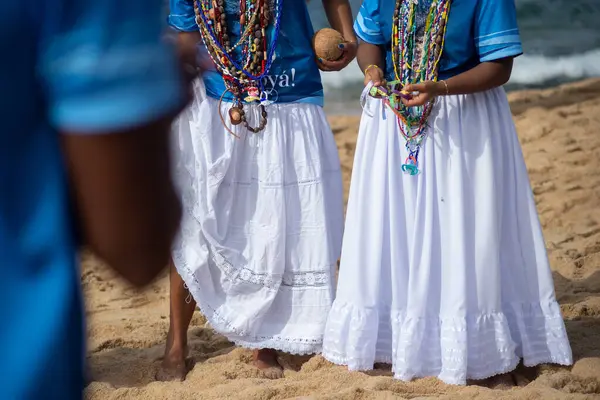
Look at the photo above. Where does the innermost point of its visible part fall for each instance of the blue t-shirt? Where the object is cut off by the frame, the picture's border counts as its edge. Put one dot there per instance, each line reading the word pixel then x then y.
pixel 83 66
pixel 294 75
pixel 477 31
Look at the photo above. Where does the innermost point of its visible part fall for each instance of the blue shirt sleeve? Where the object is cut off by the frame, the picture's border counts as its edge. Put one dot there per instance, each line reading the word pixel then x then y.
pixel 182 16
pixel 105 66
pixel 367 25
pixel 496 30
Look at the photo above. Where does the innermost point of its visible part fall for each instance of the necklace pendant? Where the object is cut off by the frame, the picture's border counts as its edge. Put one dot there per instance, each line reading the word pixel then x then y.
pixel 236 115
pixel 410 166
pixel 410 169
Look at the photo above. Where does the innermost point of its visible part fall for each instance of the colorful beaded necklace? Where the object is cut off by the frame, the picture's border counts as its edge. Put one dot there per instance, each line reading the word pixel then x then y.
pixel 415 57
pixel 244 75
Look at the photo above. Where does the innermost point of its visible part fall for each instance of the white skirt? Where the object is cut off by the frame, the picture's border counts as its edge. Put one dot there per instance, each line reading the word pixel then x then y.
pixel 444 273
pixel 263 222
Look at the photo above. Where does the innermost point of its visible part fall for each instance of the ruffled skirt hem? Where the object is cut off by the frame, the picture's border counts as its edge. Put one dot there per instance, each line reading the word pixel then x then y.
pixel 454 349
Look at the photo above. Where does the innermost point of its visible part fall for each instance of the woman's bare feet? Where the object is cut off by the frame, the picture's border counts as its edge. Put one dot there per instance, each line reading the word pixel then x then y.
pixel 175 364
pixel 498 382
pixel 174 369
pixel 266 361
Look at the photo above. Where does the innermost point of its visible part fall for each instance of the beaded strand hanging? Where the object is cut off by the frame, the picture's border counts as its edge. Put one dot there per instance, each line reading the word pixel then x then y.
pixel 244 75
pixel 415 57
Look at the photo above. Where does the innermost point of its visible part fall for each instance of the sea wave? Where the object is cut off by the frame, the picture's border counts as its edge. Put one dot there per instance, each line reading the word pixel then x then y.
pixel 529 70
pixel 537 70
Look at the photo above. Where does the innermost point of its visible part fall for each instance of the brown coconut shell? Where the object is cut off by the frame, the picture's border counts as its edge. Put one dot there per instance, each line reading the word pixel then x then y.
pixel 326 44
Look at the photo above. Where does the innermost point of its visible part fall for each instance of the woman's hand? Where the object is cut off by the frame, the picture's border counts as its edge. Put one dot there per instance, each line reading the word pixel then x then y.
pixel 427 91
pixel 374 74
pixel 348 54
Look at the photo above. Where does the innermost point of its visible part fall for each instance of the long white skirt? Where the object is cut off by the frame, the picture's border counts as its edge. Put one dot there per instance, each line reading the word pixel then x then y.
pixel 263 223
pixel 444 273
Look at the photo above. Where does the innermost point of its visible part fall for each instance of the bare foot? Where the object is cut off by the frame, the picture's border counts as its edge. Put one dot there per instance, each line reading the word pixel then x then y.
pixel 175 364
pixel 520 379
pixel 501 382
pixel 266 361
pixel 174 369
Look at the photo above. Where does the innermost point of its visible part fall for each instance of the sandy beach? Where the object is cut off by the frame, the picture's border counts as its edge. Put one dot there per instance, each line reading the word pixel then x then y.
pixel 559 130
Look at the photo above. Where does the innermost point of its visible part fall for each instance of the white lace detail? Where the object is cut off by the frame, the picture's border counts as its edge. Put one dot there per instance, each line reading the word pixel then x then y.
pixel 320 277
pixel 453 349
pixel 298 346
pixel 311 278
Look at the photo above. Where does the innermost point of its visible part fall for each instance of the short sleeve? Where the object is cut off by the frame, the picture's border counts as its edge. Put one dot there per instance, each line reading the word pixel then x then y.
pixel 367 24
pixel 496 30
pixel 182 15
pixel 104 65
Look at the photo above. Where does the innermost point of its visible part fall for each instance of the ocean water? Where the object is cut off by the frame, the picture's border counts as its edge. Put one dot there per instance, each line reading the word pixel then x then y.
pixel 561 43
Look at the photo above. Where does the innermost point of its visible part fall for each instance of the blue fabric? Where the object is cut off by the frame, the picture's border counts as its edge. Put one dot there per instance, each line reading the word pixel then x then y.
pixel 81 66
pixel 478 31
pixel 294 75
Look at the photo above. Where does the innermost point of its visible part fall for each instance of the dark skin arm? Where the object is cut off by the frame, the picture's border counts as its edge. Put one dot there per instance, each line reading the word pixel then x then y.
pixel 485 76
pixel 339 15
pixel 371 57
pixel 127 207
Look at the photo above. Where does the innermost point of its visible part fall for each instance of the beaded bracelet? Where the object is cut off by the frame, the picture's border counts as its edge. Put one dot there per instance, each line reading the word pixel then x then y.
pixel 371 66
pixel 446 85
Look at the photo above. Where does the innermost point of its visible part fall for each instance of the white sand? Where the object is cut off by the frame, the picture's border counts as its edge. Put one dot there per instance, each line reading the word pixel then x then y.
pixel 560 133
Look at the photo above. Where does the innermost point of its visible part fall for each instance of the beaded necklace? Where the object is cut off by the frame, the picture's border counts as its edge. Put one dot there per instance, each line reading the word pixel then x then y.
pixel 244 75
pixel 415 57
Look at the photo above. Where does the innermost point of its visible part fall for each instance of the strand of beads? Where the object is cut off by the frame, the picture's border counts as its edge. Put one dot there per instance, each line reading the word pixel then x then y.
pixel 416 60
pixel 244 75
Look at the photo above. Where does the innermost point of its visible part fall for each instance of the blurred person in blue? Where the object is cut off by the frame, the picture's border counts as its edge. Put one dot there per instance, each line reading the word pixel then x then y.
pixel 87 97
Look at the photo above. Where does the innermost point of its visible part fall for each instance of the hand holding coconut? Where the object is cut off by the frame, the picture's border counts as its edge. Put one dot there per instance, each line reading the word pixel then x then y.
pixel 332 51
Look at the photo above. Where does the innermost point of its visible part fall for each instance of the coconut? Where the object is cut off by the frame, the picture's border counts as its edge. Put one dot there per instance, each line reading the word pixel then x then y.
pixel 326 44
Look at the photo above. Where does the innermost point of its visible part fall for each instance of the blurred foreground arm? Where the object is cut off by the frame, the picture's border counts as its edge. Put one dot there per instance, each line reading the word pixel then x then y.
pixel 113 90
pixel 182 18
pixel 127 205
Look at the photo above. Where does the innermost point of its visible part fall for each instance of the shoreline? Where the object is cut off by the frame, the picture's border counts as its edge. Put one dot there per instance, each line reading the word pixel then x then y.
pixel 335 106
